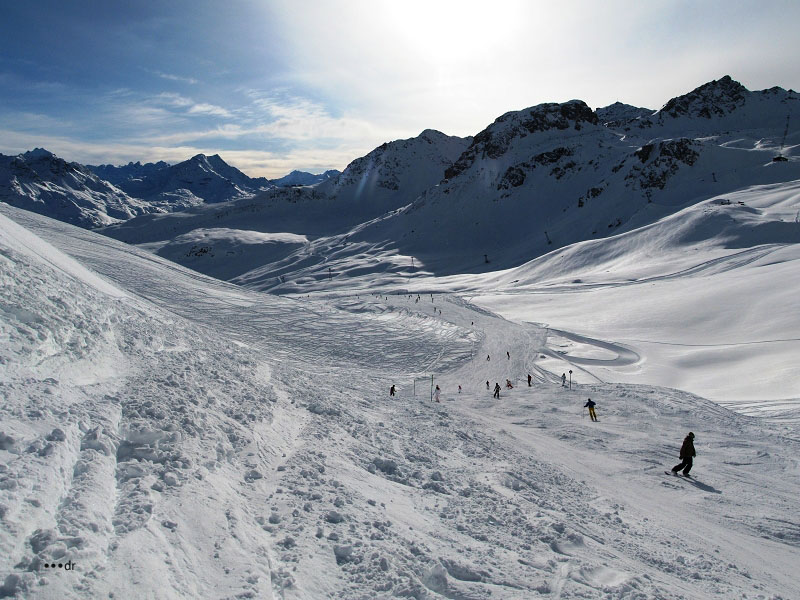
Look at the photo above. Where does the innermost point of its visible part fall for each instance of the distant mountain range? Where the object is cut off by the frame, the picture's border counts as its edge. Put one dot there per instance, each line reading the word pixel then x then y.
pixel 97 195
pixel 41 182
pixel 533 181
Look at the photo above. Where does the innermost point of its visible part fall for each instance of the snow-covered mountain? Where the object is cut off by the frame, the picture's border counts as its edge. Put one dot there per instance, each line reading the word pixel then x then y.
pixel 723 108
pixel 199 180
pixel 533 181
pixel 303 178
pixel 44 183
pixel 617 114
pixel 389 177
pixel 554 174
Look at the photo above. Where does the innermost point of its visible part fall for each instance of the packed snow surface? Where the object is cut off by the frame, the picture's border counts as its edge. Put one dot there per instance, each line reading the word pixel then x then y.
pixel 169 435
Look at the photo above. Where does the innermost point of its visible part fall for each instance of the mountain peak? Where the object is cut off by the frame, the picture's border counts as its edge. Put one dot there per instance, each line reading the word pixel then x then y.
pixel 717 97
pixel 38 153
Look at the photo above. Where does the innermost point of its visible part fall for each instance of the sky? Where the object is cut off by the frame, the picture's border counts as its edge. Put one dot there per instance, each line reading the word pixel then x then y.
pixel 277 85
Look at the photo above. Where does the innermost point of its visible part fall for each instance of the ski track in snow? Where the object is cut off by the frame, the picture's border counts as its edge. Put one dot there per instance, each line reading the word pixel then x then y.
pixel 243 445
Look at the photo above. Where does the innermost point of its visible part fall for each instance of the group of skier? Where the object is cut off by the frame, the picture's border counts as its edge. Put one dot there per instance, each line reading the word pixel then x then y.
pixel 686 455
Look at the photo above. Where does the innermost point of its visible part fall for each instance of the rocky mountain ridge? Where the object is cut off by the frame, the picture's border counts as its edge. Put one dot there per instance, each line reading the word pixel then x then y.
pixel 41 182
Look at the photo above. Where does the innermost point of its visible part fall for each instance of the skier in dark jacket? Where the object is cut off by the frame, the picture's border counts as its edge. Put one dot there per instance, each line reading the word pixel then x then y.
pixel 391 391
pixel 497 390
pixel 529 380
pixel 590 404
pixel 687 454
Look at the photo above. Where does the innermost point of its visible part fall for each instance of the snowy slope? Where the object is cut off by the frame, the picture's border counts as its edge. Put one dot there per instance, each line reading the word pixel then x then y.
pixel 178 437
pixel 702 296
pixel 41 182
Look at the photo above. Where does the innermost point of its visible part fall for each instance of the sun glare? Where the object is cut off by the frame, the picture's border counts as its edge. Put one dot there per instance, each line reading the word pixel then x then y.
pixel 451 33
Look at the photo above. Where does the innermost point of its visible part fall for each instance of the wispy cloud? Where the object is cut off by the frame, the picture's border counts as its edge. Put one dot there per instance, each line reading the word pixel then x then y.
pixel 173 100
pixel 203 108
pixel 172 77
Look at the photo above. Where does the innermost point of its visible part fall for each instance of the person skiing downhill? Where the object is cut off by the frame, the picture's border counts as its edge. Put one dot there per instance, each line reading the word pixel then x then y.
pixel 686 456
pixel 563 380
pixel 436 394
pixel 391 391
pixel 591 406
pixel 529 380
pixel 487 357
pixel 497 390
pixel 459 389
pixel 487 384
pixel 508 356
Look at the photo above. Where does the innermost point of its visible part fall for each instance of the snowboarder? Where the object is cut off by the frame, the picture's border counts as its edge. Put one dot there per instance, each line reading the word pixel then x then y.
pixel 496 390
pixel 686 456
pixel 436 394
pixel 487 384
pixel 391 391
pixel 563 380
pixel 529 380
pixel 591 406
pixel 508 384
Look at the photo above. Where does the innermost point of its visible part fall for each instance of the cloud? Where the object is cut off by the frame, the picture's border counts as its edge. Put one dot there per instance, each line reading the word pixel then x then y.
pixel 191 107
pixel 171 77
pixel 203 108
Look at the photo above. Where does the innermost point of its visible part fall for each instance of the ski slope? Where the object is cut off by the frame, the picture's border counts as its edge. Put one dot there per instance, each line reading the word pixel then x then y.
pixel 174 436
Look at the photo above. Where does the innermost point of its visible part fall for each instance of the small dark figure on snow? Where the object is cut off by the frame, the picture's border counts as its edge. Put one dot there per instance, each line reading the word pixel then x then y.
pixel 487 384
pixel 436 394
pixel 496 390
pixel 508 384
pixel 529 380
pixel 487 357
pixel 459 389
pixel 391 391
pixel 563 380
pixel 686 456
pixel 591 406
pixel 508 356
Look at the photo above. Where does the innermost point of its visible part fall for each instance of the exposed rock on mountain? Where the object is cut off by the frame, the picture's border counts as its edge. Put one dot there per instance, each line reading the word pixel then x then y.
pixel 495 140
pixel 618 114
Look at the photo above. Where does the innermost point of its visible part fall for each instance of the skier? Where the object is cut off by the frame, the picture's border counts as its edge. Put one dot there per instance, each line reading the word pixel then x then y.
pixel 459 389
pixel 591 406
pixel 488 358
pixel 529 380
pixel 436 394
pixel 391 391
pixel 508 356
pixel 496 390
pixel 487 384
pixel 563 380
pixel 686 456
pixel 508 384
